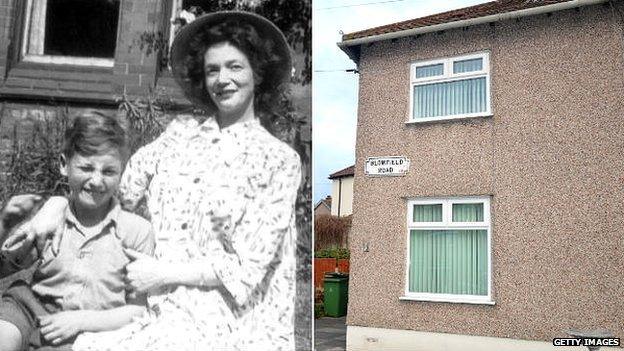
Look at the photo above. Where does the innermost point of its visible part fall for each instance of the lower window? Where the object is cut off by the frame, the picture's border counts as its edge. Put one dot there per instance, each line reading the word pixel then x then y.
pixel 449 250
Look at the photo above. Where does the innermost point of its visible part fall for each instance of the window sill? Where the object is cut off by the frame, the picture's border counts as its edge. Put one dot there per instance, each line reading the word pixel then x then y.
pixel 70 61
pixel 471 301
pixel 448 118
pixel 32 80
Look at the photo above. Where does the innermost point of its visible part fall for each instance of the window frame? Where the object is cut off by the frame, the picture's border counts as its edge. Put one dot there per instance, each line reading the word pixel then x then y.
pixel 59 59
pixel 176 8
pixel 449 76
pixel 447 223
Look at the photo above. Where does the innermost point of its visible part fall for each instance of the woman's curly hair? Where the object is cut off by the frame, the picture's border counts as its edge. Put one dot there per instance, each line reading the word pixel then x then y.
pixel 259 50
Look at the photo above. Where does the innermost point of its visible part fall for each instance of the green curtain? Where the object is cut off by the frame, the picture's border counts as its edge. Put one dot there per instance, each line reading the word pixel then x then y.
pixel 450 98
pixel 448 261
pixel 427 213
pixel 430 70
pixel 468 212
pixel 470 65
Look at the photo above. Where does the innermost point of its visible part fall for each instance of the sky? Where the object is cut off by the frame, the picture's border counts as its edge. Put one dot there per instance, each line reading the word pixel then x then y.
pixel 334 91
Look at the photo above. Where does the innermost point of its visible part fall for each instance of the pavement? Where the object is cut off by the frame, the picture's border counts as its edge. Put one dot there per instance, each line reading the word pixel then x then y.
pixel 330 334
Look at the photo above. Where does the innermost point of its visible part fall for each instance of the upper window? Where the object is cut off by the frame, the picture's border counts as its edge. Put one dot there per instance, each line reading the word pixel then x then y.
pixel 449 250
pixel 75 32
pixel 453 87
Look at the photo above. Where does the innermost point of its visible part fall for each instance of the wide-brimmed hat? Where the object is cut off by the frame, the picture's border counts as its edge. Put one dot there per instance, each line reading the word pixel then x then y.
pixel 276 72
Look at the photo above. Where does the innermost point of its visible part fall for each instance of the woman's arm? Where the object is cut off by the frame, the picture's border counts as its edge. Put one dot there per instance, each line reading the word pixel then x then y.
pixel 242 262
pixel 16 247
pixel 256 238
pixel 17 253
pixel 146 274
pixel 16 210
pixel 47 223
pixel 142 166
pixel 248 246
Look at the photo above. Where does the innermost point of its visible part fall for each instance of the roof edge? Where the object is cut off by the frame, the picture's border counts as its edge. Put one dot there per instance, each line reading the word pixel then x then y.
pixel 343 173
pixel 349 46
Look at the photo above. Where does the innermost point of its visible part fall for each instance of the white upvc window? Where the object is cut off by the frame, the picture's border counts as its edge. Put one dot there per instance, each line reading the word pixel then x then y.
pixel 448 88
pixel 449 250
pixel 71 32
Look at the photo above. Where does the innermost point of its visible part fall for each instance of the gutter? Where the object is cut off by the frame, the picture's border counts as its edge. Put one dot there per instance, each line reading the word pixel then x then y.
pixel 351 47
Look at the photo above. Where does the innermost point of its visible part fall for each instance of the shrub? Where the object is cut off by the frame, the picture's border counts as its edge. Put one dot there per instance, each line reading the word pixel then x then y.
pixel 332 252
pixel 331 231
pixel 33 160
pixel 319 311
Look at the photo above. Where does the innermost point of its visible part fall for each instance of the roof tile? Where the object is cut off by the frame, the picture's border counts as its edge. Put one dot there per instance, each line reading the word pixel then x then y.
pixel 481 10
pixel 349 171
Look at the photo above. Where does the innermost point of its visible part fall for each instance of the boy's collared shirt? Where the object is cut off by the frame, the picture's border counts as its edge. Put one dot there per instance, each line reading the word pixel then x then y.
pixel 88 270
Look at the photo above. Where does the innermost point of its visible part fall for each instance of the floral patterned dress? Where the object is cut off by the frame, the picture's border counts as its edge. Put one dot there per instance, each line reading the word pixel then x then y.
pixel 222 200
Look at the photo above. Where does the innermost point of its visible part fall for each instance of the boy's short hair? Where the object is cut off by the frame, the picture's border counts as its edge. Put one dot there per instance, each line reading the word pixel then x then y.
pixel 94 132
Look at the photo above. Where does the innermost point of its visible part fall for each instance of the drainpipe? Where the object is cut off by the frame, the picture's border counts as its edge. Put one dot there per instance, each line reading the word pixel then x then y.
pixel 339 194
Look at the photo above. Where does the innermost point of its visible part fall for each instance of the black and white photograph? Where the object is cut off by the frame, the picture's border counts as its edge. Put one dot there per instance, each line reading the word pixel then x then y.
pixel 155 175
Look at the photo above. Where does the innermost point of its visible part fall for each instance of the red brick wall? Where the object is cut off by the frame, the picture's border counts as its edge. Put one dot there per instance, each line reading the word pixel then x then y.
pixel 134 72
pixel 6 18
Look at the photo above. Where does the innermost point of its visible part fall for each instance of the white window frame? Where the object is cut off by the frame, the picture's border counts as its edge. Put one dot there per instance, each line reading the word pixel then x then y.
pixel 447 223
pixel 176 8
pixel 54 59
pixel 449 76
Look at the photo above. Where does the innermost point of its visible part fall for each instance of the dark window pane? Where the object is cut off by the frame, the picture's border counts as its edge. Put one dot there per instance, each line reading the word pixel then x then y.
pixel 81 28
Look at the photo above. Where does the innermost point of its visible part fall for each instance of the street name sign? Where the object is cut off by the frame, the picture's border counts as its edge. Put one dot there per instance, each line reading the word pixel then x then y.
pixel 387 166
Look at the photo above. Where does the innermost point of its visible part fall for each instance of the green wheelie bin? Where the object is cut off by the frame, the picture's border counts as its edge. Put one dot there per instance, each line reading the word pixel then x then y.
pixel 336 286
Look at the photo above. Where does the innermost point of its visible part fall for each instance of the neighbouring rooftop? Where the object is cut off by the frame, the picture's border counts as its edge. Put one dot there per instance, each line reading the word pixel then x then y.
pixel 346 172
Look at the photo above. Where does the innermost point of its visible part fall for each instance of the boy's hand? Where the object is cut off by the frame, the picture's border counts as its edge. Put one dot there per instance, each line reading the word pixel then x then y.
pixel 61 326
pixel 18 208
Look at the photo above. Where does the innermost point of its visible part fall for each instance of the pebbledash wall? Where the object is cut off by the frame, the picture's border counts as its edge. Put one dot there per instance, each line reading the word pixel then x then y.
pixel 551 159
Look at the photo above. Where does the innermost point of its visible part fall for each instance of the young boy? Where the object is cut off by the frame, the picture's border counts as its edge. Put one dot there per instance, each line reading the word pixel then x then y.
pixel 79 287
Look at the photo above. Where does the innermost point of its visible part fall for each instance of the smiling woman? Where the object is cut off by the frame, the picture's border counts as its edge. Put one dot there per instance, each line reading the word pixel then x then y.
pixel 230 82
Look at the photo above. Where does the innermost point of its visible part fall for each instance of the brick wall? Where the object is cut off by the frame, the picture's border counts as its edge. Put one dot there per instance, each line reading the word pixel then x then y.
pixel 6 20
pixel 134 73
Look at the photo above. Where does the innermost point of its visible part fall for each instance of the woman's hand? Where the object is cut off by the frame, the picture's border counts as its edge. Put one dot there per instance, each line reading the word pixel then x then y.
pixel 62 326
pixel 47 223
pixel 144 274
pixel 18 208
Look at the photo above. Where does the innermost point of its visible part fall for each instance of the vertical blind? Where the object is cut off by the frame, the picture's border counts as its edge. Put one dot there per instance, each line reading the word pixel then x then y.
pixel 468 212
pixel 427 213
pixel 470 65
pixel 449 261
pixel 450 98
pixel 430 70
